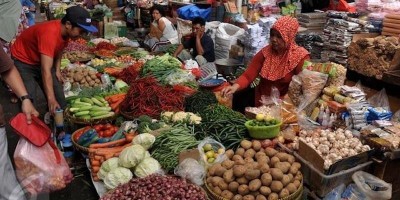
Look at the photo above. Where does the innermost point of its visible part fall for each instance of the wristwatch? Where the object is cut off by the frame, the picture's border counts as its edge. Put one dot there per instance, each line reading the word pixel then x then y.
pixel 22 98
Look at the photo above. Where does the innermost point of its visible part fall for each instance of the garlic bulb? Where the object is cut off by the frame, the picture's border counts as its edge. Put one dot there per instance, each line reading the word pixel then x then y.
pixel 315 142
pixel 327 164
pixel 324 149
pixel 352 152
pixel 348 134
pixel 340 137
pixel 365 148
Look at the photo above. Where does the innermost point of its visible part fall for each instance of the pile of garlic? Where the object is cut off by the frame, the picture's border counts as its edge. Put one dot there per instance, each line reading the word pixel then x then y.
pixel 332 145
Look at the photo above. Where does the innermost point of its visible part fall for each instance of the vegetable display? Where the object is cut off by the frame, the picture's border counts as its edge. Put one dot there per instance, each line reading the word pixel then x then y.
pixel 199 101
pixel 157 187
pixel 252 172
pixel 131 73
pixel 131 156
pixel 170 143
pixel 160 66
pixel 83 76
pixel 75 56
pixel 91 108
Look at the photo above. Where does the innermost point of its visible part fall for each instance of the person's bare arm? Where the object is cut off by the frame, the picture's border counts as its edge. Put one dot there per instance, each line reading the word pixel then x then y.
pixel 178 50
pixel 57 65
pixel 46 65
pixel 199 46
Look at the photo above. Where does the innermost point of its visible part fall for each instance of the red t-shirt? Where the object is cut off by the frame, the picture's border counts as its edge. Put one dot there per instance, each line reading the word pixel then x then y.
pixel 44 38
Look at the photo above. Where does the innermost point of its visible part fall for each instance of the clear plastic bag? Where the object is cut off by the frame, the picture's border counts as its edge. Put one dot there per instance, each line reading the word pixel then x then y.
pixel 380 99
pixel 295 90
pixel 180 76
pixel 192 170
pixel 41 169
pixel 336 193
pixel 353 193
pixel 211 152
pixel 312 85
pixel 372 186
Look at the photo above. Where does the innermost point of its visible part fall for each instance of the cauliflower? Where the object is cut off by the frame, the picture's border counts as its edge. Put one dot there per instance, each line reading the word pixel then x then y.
pixel 179 116
pixel 194 119
pixel 167 116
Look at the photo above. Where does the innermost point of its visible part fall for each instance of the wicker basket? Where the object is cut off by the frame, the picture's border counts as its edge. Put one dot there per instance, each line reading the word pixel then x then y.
pixel 295 196
pixel 127 115
pixel 68 115
pixel 80 148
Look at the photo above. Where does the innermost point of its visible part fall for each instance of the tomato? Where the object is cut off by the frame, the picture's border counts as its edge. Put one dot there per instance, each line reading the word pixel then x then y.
pixel 115 129
pixel 97 128
pixel 108 133
pixel 101 133
pixel 108 126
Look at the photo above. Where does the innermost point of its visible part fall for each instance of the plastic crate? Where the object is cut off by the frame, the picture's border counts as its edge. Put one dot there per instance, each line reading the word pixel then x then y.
pixel 322 184
pixel 208 71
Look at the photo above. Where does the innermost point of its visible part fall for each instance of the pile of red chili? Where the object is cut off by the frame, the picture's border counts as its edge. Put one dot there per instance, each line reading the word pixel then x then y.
pixel 147 97
pixel 130 73
pixel 105 46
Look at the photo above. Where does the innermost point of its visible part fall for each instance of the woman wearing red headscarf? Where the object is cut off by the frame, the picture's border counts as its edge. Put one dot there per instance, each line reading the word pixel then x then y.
pixel 275 64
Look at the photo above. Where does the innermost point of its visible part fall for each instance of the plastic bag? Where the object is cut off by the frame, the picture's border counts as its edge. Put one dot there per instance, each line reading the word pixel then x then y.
pixel 336 193
pixel 192 170
pixel 191 64
pixel 372 186
pixel 274 97
pixel 180 76
pixel 380 99
pixel 41 169
pixel 211 152
pixel 353 193
pixel 295 90
pixel 189 12
pixel 312 85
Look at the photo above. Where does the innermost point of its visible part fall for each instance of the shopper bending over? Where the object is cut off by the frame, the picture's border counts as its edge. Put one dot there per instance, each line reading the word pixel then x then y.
pixel 275 63
pixel 162 31
pixel 9 13
pixel 37 53
pixel 201 43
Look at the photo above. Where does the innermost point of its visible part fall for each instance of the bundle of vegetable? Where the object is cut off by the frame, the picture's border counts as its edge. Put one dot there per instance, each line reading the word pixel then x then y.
pixel 253 172
pixel 140 54
pixel 105 46
pixel 83 76
pixel 91 108
pixel 171 49
pixel 147 124
pixel 115 101
pixel 180 117
pixel 170 143
pixel 157 187
pixel 223 124
pixel 199 101
pixel 147 97
pixel 160 67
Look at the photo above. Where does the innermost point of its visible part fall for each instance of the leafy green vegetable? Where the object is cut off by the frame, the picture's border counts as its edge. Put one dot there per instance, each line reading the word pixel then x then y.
pixel 148 166
pixel 199 101
pixel 161 66
pixel 117 176
pixel 107 166
pixel 145 140
pixel 131 156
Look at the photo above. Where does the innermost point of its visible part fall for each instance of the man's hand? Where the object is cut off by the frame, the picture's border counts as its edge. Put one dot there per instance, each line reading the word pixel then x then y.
pixel 29 110
pixel 53 106
pixel 200 33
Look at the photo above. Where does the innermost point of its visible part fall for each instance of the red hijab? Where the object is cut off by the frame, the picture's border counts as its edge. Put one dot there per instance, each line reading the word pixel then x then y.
pixel 277 66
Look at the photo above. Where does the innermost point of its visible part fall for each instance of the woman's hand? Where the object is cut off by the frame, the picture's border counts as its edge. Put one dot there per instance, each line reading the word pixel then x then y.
pixel 28 109
pixel 227 91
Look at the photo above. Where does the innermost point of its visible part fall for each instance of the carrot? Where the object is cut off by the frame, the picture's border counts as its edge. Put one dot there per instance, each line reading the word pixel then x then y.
pixel 108 144
pixel 129 136
pixel 116 97
pixel 95 169
pixel 97 157
pixel 95 163
pixel 106 152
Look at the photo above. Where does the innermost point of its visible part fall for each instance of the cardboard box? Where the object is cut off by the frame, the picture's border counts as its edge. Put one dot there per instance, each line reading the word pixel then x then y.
pixel 310 155
pixel 192 153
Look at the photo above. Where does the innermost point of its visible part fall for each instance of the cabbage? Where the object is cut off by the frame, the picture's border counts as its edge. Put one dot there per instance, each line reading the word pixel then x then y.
pixel 120 84
pixel 145 140
pixel 131 156
pixel 117 176
pixel 106 167
pixel 148 166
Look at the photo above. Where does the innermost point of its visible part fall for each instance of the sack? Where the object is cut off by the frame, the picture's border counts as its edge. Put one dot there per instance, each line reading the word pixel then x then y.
pixel 38 133
pixel 380 100
pixel 372 186
pixel 189 12
pixel 41 169
pixel 226 36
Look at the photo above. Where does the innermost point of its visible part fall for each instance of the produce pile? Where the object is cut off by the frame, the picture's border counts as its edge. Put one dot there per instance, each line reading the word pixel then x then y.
pixel 160 67
pixel 90 108
pixel 252 172
pixel 157 187
pixel 75 56
pixel 83 76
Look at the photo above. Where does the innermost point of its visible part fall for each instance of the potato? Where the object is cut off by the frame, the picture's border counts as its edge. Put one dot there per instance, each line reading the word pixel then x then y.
pixel 276 186
pixel 233 186
pixel 264 190
pixel 283 166
pixel 293 170
pixel 243 189
pixel 240 162
pixel 93 76
pixel 88 79
pixel 254 185
pixel 298 176
pixel 251 174
pixel 237 157
pixel 228 176
pixel 284 193
pixel 285 180
pixel 85 73
pixel 229 153
pixel 249 153
pixel 83 81
pixel 266 179
pixel 240 152
pixel 270 152
pixel 291 159
pixel 211 170
pixel 264 160
pixel 282 156
pixel 296 164
pixel 208 180
pixel 273 196
pixel 260 155
pixel 227 194
pixel 78 77
pixel 261 197
pixel 291 188
pixel 238 170
pixel 274 160
pixel 242 180
pixel 97 80
pixel 237 197
pixel 296 183
pixel 86 84
pixel 276 174
pixel 249 197
pixel 217 190
pixel 222 185
pixel 256 145
pixel 219 171
pixel 264 168
pixel 91 83
pixel 228 164
pixel 248 160
pixel 291 177
pixel 215 180
pixel 245 144
pixel 92 72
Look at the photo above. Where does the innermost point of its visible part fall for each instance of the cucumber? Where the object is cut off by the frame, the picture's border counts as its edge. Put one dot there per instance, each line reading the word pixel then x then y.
pixel 101 99
pixel 83 108
pixel 87 100
pixel 98 113
pixel 73 109
pixel 81 113
pixel 110 114
pixel 87 117
pixel 80 104
pixel 98 108
pixel 97 102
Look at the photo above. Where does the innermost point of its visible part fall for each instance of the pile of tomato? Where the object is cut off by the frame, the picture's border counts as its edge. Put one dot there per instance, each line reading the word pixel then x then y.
pixel 105 130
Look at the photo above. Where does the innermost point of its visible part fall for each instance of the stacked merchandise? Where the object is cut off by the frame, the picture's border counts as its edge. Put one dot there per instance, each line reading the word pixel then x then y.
pixel 338 33
pixel 312 21
pixel 391 25
pixel 256 37
pixel 387 6
pixel 311 41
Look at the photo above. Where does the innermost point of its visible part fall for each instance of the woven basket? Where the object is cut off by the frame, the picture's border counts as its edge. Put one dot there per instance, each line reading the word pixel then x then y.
pixel 68 115
pixel 80 148
pixel 295 196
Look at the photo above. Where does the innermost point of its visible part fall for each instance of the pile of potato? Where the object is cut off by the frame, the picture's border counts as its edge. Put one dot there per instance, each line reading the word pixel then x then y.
pixel 83 76
pixel 255 173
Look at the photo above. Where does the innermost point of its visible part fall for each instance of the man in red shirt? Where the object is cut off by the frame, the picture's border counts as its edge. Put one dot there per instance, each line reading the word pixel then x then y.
pixel 37 53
